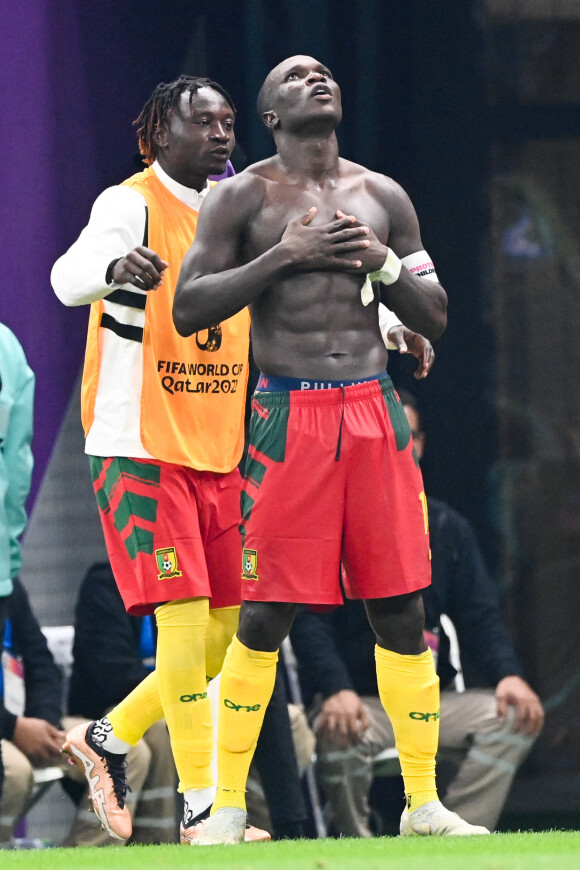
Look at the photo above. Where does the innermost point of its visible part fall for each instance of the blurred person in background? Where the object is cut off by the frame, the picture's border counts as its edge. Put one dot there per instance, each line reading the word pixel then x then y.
pixel 30 708
pixel 16 461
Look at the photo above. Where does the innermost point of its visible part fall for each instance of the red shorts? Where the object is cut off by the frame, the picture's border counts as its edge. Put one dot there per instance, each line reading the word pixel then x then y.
pixel 332 477
pixel 171 532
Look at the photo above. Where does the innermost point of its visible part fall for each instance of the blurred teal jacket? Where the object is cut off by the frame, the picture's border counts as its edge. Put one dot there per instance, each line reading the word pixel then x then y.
pixel 16 415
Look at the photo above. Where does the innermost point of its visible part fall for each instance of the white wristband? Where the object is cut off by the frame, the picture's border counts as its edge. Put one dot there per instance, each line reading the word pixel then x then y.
pixel 419 264
pixel 387 319
pixel 389 271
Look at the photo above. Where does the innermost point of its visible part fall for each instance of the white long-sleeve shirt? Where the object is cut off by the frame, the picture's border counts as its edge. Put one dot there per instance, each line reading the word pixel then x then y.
pixel 116 226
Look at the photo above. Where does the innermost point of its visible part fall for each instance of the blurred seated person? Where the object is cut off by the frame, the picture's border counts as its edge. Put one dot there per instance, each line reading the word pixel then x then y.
pixel 30 708
pixel 16 461
pixel 488 728
pixel 112 653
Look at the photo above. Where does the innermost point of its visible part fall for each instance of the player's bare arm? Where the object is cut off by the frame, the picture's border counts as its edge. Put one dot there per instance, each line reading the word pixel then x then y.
pixel 420 303
pixel 215 282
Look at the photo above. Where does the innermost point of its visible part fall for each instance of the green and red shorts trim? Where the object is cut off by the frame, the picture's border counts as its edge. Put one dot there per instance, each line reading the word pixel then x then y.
pixel 331 477
pixel 171 532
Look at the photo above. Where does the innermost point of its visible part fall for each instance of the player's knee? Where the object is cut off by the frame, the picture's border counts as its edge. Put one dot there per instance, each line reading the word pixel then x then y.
pixel 398 622
pixel 264 625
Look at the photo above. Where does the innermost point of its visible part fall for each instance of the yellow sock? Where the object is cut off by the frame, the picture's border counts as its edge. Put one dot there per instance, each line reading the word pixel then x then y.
pixel 409 692
pixel 138 711
pixel 247 683
pixel 180 668
pixel 223 624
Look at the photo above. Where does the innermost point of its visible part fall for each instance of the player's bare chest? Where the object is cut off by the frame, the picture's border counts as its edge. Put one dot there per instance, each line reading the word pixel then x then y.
pixel 285 203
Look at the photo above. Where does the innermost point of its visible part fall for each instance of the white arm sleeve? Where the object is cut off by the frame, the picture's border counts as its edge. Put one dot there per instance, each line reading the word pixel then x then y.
pixel 421 264
pixel 115 227
pixel 387 319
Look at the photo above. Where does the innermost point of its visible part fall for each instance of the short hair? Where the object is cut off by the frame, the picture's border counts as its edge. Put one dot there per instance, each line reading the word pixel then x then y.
pixel 164 98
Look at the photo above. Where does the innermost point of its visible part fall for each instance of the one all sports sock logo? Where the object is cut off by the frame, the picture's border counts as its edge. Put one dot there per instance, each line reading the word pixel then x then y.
pixel 241 707
pixel 425 717
pixel 199 696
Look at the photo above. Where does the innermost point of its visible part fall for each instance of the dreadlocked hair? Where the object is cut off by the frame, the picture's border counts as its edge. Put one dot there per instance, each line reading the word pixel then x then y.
pixel 164 98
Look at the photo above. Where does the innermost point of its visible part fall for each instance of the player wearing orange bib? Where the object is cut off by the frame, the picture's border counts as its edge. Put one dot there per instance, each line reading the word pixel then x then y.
pixel 163 419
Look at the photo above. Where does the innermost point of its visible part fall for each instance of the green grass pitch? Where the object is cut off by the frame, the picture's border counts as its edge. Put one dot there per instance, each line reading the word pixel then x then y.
pixel 550 850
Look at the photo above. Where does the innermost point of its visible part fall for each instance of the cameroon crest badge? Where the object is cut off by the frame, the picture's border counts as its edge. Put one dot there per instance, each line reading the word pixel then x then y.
pixel 167 563
pixel 249 564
